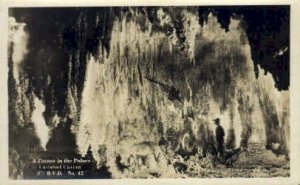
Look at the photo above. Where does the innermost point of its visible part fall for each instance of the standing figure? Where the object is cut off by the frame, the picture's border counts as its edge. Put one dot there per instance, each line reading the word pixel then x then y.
pixel 219 137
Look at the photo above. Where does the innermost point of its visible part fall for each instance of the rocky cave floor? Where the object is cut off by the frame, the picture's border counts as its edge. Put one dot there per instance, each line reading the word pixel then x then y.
pixel 250 163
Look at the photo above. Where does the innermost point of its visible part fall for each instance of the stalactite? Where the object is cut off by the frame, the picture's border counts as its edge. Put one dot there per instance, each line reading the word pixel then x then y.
pixel 245 110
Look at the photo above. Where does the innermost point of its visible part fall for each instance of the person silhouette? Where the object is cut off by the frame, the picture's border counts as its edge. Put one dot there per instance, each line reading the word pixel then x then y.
pixel 219 137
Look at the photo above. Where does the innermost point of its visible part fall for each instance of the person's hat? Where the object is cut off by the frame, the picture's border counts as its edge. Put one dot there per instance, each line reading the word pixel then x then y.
pixel 217 120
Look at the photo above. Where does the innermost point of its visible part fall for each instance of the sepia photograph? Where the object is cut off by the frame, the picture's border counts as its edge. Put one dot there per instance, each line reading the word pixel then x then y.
pixel 149 92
